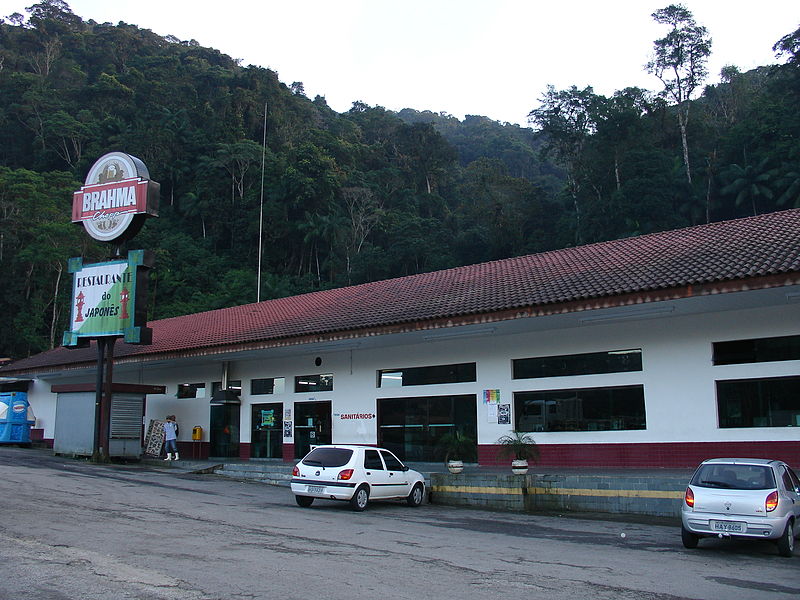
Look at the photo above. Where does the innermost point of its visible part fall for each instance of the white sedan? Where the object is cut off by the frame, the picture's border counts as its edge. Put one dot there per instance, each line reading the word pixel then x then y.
pixel 356 474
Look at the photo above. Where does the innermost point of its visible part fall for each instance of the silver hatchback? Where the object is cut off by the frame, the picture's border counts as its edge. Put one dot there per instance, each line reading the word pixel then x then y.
pixel 743 498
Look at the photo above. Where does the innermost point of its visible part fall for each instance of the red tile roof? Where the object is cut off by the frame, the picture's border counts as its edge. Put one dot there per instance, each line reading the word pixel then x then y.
pixel 736 250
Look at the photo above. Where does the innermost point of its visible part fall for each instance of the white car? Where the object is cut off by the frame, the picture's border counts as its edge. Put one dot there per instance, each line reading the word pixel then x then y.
pixel 743 498
pixel 356 474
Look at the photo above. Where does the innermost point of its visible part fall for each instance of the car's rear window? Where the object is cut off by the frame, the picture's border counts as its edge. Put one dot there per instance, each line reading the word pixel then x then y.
pixel 734 477
pixel 328 457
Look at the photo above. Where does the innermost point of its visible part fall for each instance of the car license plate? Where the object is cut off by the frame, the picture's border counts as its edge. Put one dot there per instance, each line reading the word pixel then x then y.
pixel 316 489
pixel 729 526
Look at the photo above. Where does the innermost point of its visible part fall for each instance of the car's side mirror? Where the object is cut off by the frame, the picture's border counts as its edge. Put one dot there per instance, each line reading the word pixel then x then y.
pixel 405 467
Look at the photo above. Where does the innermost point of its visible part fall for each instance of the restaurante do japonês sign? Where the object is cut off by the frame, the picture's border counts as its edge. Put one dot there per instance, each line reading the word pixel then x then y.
pixel 116 198
pixel 109 299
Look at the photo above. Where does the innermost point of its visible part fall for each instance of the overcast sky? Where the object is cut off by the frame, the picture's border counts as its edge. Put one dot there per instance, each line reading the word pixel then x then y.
pixel 482 57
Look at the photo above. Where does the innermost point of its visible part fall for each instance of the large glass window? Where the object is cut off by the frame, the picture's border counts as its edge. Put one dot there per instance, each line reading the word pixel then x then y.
pixel 314 383
pixel 772 402
pixel 589 409
pixel 458 373
pixel 191 390
pixel 412 427
pixel 592 363
pixel 757 350
pixel 272 385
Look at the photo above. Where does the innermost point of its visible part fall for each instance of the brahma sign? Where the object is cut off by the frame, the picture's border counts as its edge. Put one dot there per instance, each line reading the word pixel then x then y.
pixel 116 198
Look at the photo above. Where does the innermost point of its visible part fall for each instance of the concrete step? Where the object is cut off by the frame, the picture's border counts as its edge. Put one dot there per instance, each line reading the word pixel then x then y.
pixel 270 473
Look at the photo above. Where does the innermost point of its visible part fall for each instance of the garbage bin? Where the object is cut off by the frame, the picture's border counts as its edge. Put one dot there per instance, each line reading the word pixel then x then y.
pixel 16 418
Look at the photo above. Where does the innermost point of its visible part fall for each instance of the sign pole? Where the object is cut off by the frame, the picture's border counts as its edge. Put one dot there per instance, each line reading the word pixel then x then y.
pixel 105 406
pixel 98 399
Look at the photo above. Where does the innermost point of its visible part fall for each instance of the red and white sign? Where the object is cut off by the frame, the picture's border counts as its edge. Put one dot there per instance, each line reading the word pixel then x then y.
pixel 117 188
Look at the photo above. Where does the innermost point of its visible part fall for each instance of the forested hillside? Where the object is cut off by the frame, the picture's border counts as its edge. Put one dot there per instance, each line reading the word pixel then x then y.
pixel 347 197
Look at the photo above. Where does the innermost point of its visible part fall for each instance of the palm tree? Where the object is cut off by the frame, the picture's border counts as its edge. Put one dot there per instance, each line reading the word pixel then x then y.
pixel 749 183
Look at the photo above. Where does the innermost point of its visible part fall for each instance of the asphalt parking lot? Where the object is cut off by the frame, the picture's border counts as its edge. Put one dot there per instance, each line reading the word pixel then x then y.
pixel 75 530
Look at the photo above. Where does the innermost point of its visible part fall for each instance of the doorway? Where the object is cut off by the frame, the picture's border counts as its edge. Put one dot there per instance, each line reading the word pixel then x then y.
pixel 312 426
pixel 266 437
pixel 224 431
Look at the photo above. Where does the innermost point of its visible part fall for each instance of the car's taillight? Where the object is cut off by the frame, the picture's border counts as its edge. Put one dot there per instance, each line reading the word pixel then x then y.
pixel 772 501
pixel 295 472
pixel 688 497
pixel 345 474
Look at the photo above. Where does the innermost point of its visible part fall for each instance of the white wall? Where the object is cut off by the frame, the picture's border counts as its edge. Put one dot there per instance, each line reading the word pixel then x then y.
pixel 677 375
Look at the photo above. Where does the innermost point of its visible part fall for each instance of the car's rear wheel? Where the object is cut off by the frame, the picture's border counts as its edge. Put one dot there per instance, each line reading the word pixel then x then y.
pixel 360 499
pixel 786 541
pixel 416 495
pixel 304 501
pixel 688 538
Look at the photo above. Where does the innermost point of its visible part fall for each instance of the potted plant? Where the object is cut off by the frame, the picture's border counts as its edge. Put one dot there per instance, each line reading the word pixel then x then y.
pixel 521 447
pixel 456 446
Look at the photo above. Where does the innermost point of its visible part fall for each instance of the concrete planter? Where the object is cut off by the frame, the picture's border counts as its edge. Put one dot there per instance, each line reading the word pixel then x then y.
pixel 519 466
pixel 455 466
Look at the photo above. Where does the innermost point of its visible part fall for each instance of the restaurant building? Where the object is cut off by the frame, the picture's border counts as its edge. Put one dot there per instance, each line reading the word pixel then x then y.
pixel 653 351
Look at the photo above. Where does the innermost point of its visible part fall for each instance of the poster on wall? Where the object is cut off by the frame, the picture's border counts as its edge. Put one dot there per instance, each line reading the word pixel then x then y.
pixel 491 396
pixel 491 413
pixel 287 429
pixel 503 414
pixel 267 419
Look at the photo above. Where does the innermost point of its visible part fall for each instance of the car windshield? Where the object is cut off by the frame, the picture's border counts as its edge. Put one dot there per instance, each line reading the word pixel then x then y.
pixel 328 457
pixel 734 477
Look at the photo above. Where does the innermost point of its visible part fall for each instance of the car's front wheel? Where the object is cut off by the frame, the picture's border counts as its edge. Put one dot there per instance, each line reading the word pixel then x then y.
pixel 360 499
pixel 416 495
pixel 688 538
pixel 786 541
pixel 304 501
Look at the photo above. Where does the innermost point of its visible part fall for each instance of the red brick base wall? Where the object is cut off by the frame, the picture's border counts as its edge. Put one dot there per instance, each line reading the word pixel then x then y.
pixel 676 455
pixel 244 450
pixel 196 450
pixel 288 453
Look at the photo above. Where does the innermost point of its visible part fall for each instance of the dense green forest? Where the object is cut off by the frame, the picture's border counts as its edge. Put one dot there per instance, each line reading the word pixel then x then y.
pixel 358 196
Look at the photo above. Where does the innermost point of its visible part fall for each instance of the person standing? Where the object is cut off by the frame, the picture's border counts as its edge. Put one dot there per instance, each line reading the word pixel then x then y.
pixel 171 437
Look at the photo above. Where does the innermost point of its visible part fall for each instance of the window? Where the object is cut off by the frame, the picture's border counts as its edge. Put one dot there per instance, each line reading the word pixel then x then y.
pixel 459 373
pixel 593 363
pixel 273 385
pixel 412 428
pixel 234 385
pixel 314 383
pixel 757 350
pixel 191 390
pixel 590 409
pixel 734 476
pixel 769 402
pixel 372 460
pixel 328 457
pixel 392 464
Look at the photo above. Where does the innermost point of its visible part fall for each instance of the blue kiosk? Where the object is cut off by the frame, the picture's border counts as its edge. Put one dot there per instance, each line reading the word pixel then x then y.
pixel 16 418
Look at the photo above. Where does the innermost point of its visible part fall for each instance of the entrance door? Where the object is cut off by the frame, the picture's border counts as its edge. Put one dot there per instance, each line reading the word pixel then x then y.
pixel 224 432
pixel 312 426
pixel 266 438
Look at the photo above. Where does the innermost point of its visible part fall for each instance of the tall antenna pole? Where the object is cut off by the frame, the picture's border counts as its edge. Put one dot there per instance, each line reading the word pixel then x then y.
pixel 261 204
